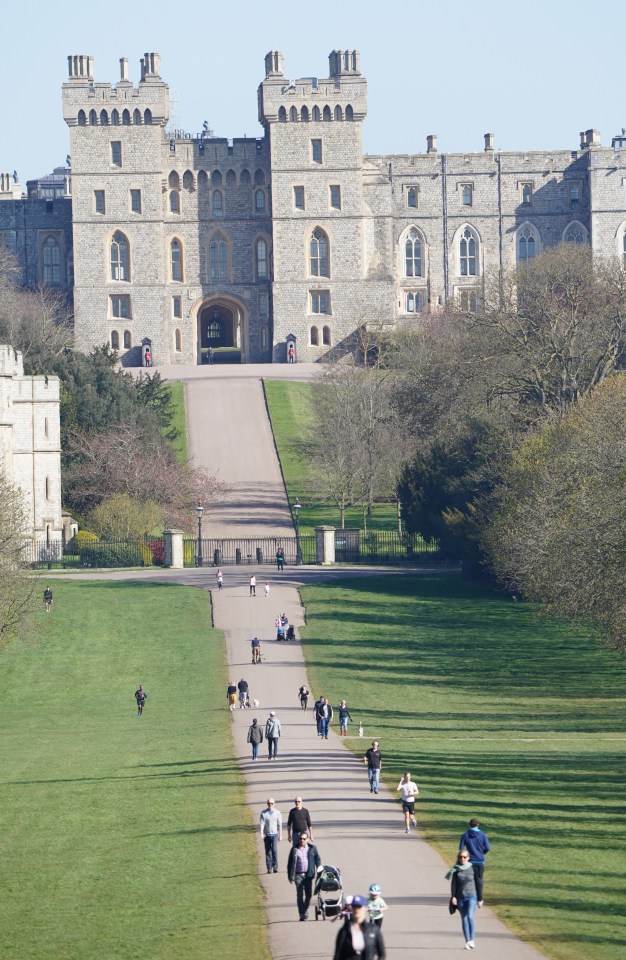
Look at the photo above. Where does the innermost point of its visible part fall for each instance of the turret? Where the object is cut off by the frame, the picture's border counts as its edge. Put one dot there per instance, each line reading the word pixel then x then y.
pixel 90 104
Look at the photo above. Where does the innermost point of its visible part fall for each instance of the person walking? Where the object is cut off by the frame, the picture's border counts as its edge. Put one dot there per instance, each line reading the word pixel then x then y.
pixel 47 599
pixel 316 713
pixel 298 822
pixel 326 714
pixel 408 791
pixel 374 763
pixel 255 644
pixel 477 844
pixel 303 697
pixel 219 576
pixel 253 586
pixel 231 695
pixel 242 687
pixel 463 894
pixel 272 734
pixel 255 737
pixel 376 905
pixel 344 717
pixel 266 588
pixel 271 824
pixel 280 559
pixel 358 939
pixel 302 865
pixel 210 356
pixel 140 696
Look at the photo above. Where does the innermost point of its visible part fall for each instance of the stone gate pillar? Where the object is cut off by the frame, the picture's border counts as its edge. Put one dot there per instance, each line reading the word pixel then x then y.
pixel 325 545
pixel 173 549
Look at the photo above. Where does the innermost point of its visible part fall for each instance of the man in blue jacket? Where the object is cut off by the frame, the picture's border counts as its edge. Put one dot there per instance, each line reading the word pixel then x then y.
pixel 477 845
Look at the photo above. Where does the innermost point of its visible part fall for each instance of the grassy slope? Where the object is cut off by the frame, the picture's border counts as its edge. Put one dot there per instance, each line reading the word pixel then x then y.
pixel 290 411
pixel 497 715
pixel 122 837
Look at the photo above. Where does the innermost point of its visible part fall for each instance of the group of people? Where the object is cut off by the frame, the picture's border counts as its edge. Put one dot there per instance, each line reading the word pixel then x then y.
pixel 466 878
pixel 238 692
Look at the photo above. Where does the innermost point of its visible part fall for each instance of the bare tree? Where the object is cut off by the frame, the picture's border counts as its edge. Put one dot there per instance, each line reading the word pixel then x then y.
pixel 16 586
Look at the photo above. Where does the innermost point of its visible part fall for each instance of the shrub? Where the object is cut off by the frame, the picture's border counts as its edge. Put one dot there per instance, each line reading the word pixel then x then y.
pixel 158 552
pixel 83 538
pixel 112 555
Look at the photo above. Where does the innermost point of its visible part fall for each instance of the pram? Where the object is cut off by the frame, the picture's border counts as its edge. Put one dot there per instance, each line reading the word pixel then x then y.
pixel 291 633
pixel 329 892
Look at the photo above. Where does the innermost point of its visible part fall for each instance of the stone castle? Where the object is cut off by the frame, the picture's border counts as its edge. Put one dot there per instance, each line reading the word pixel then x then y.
pixel 181 242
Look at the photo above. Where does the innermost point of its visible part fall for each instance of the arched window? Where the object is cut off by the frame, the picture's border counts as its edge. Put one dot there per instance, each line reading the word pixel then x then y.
pixel 115 118
pixel 115 340
pixel 411 197
pixel 575 233
pixel 526 244
pixel 137 117
pixel 104 118
pixel 304 114
pixel 93 119
pixel 147 117
pixel 178 341
pixel 174 201
pixel 293 115
pixel 338 113
pixel 173 180
pixel 176 260
pixel 216 178
pixel 51 261
pixel 282 115
pixel 127 340
pixel 82 119
pixel 231 178
pixel 259 201
pixel 349 113
pixel 527 193
pixel 468 253
pixel 326 336
pixel 218 203
pixel 327 114
pixel 413 255
pixel 319 254
pixel 316 115
pixel 261 259
pixel 245 178
pixel 315 337
pixel 259 178
pixel 120 257
pixel 218 257
pixel 126 119
pixel 188 182
pixel 203 180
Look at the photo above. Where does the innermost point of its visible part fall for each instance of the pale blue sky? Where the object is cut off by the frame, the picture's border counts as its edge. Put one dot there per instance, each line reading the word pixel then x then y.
pixel 534 74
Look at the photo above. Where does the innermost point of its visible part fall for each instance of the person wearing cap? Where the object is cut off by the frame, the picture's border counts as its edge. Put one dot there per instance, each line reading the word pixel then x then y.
pixel 298 821
pixel 271 823
pixel 272 733
pixel 302 866
pixel 359 939
pixel 376 905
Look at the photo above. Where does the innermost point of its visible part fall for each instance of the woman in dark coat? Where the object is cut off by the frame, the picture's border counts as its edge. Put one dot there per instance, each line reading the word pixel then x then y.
pixel 359 939
pixel 463 894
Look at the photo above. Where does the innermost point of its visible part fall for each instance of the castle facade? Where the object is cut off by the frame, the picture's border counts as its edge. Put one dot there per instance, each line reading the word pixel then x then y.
pixel 184 242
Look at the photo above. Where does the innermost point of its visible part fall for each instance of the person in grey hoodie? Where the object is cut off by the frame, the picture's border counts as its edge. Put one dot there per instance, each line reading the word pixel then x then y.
pixel 272 733
pixel 463 894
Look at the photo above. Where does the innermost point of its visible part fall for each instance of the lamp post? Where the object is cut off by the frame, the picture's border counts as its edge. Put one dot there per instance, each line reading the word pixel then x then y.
pixel 199 512
pixel 297 507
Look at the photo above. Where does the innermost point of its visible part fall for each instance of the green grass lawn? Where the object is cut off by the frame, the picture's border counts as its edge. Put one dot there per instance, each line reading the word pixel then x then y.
pixel 123 837
pixel 289 404
pixel 498 715
pixel 177 393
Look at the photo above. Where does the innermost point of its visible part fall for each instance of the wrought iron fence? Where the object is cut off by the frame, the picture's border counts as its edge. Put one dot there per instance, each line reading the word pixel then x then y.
pixel 384 546
pixel 224 552
pixel 101 553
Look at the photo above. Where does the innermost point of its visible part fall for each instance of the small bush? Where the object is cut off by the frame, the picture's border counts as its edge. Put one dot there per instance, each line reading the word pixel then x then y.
pixel 157 548
pixel 113 555
pixel 83 538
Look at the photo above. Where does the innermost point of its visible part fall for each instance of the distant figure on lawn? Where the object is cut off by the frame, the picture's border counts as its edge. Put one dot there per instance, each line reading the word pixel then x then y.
pixel 140 696
pixel 477 845
pixel 47 599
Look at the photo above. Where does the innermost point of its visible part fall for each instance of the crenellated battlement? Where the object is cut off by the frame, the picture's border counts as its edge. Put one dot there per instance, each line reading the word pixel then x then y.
pixel 340 96
pixel 10 188
pixel 87 103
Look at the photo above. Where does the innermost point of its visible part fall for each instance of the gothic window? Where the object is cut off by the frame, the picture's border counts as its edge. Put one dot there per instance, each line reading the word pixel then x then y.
pixel 467 194
pixel 261 260
pixel 320 301
pixel 575 233
pixel 326 336
pixel 120 257
pixel 282 115
pixel 349 113
pixel 263 338
pixel 304 114
pixel 293 115
pixel 316 114
pixel 174 201
pixel 115 340
pixel 468 253
pixel 319 254
pixel 298 198
pixel 244 179
pixel 120 306
pixel 126 119
pixel 527 193
pixel 82 119
pixel 216 178
pixel 414 302
pixel 115 118
pixel 173 180
pixel 327 114
pixel 214 329
pixel 203 180
pixel 218 257
pixel 259 178
pixel 137 117
pixel 93 118
pixel 51 261
pixel 411 197
pixel 178 341
pixel 188 180
pixel 315 337
pixel 263 304
pixel 127 340
pixel 574 193
pixel 413 254
pixel 104 118
pixel 176 260
pixel 217 203
pixel 259 201
pixel 526 244
pixel 231 178
pixel 147 118
pixel 338 113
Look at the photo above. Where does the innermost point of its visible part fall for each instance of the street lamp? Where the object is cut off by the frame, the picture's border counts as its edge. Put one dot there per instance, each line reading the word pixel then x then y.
pixel 297 507
pixel 199 512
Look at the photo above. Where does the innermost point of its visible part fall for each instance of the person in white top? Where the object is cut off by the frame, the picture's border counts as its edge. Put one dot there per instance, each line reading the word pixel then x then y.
pixel 408 790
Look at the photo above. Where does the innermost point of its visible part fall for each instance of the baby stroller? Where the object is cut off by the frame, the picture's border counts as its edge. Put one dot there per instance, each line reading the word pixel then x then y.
pixel 329 893
pixel 291 633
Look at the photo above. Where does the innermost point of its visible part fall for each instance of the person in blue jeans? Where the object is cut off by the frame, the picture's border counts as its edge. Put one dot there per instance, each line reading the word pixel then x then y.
pixel 477 845
pixel 255 737
pixel 463 894
pixel 344 717
pixel 374 763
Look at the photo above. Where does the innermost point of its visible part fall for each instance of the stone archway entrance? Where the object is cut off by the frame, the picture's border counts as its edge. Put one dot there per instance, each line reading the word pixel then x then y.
pixel 221 328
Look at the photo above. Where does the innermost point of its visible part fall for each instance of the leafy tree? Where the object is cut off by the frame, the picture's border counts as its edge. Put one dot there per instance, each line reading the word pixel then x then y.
pixel 122 518
pixel 16 586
